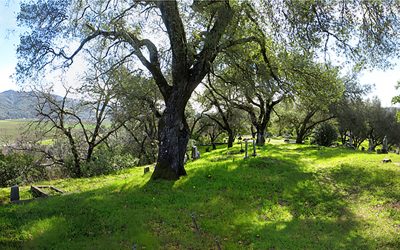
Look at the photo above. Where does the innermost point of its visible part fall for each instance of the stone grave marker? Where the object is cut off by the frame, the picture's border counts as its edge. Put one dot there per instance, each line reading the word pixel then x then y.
pixel 385 147
pixel 246 147
pixel 195 153
pixel 14 194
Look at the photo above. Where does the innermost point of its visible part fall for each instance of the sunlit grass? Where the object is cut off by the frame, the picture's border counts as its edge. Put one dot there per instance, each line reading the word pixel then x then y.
pixel 288 197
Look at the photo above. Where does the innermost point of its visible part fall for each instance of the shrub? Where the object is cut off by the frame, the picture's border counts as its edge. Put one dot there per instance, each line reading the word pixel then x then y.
pixel 325 135
pixel 20 168
pixel 105 162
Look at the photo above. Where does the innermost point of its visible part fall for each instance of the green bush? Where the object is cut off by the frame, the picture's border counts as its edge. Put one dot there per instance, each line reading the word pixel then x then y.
pixel 20 168
pixel 105 162
pixel 325 135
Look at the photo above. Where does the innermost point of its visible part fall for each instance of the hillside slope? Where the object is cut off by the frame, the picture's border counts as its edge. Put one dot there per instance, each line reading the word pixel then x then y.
pixel 16 105
pixel 288 197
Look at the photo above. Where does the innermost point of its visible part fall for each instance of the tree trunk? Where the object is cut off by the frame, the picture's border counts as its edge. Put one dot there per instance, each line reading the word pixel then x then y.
pixel 300 136
pixel 89 153
pixel 343 136
pixel 262 127
pixel 77 164
pixel 371 145
pixel 231 139
pixel 173 139
pixel 299 139
pixel 253 132
pixel 260 139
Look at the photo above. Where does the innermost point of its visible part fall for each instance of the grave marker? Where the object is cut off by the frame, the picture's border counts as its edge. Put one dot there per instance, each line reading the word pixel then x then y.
pixel 385 147
pixel 195 153
pixel 14 194
pixel 254 148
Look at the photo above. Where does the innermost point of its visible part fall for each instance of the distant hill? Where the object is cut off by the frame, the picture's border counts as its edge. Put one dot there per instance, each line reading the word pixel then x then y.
pixel 17 105
pixel 21 105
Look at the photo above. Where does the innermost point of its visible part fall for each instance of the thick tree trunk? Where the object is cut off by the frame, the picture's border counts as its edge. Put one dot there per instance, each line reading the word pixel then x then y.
pixel 262 127
pixel 299 139
pixel 260 139
pixel 173 140
pixel 300 136
pixel 231 139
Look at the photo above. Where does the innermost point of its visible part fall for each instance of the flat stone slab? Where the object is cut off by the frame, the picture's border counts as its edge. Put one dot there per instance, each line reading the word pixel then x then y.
pixel 38 191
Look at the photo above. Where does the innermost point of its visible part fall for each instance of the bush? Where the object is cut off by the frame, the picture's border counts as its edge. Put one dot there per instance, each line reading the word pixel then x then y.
pixel 105 162
pixel 20 168
pixel 325 135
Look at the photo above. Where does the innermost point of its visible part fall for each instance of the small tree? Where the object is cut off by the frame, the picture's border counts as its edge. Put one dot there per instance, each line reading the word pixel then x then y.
pixel 325 134
pixel 81 122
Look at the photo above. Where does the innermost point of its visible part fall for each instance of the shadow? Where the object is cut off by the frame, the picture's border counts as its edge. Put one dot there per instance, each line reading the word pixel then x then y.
pixel 257 203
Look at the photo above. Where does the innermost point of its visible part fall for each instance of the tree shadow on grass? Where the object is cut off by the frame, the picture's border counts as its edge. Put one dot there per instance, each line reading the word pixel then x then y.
pixel 258 203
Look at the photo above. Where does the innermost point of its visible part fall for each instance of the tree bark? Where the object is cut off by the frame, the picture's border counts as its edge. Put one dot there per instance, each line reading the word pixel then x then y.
pixel 260 140
pixel 262 126
pixel 173 139
pixel 299 138
pixel 231 139
pixel 77 163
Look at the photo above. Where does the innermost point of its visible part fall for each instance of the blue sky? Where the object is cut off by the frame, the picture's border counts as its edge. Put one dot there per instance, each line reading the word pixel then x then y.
pixel 8 42
pixel 384 81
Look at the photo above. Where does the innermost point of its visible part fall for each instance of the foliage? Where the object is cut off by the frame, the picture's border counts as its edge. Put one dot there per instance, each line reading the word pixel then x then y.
pixel 381 122
pixel 226 116
pixel 106 161
pixel 325 134
pixel 20 168
pixel 140 112
pixel 288 197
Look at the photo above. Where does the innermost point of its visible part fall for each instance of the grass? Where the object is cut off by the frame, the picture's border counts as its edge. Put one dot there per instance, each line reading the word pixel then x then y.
pixel 288 197
pixel 11 130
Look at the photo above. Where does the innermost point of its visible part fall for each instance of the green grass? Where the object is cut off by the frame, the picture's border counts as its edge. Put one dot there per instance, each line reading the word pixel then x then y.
pixel 10 130
pixel 288 197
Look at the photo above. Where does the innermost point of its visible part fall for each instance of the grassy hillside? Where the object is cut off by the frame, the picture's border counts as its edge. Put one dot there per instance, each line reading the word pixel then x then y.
pixel 10 130
pixel 288 197
pixel 17 105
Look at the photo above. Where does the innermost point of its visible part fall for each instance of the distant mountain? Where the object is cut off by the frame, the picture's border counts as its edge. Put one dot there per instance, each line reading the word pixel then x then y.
pixel 21 105
pixel 17 105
